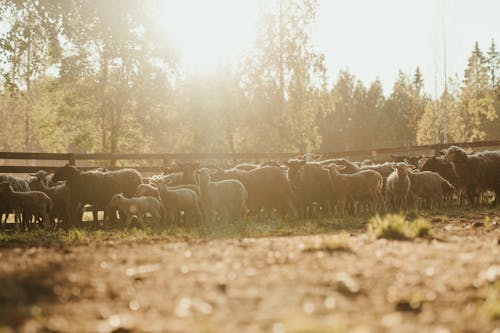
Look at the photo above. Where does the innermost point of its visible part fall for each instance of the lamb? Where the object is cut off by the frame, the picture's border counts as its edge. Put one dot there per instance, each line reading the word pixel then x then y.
pixel 361 185
pixel 31 203
pixel 182 199
pixel 477 172
pixel 60 196
pixel 97 188
pixel 428 187
pixel 226 197
pixel 137 206
pixel 18 184
pixel 398 186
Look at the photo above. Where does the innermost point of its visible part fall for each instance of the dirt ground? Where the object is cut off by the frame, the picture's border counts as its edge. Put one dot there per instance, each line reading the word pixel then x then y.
pixel 450 283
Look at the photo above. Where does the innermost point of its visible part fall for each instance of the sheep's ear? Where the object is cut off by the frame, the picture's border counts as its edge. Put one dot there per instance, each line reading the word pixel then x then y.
pixel 325 167
pixel 341 167
pixel 213 171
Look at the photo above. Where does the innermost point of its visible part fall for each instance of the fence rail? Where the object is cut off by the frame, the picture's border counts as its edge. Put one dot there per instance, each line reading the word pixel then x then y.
pixel 167 158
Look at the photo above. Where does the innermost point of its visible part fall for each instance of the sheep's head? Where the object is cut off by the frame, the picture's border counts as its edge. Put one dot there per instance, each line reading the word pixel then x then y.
pixel 203 174
pixel 402 168
pixel 66 172
pixel 115 199
pixel 333 169
pixel 294 166
pixel 42 174
pixel 455 154
pixel 35 183
pixel 309 157
pixel 430 163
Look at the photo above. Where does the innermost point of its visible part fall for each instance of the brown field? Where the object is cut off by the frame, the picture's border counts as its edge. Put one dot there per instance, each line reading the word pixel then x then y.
pixel 304 276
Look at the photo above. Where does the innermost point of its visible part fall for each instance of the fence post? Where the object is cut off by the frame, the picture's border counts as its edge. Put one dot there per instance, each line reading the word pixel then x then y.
pixel 71 159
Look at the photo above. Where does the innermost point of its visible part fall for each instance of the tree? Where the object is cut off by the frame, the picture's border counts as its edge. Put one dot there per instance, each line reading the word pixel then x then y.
pixel 492 65
pixel 283 76
pixel 476 100
pixel 29 46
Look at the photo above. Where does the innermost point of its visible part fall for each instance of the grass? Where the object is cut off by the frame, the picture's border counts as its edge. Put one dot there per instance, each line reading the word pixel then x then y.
pixel 397 227
pixel 338 243
pixel 248 228
pixel 415 224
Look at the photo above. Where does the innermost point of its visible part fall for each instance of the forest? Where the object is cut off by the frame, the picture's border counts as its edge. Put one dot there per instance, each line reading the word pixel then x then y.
pixel 84 76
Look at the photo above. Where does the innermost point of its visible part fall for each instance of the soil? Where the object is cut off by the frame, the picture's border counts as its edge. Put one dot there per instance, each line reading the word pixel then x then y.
pixel 274 284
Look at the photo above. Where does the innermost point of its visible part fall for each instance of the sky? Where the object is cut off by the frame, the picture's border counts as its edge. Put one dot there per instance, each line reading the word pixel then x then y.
pixel 372 39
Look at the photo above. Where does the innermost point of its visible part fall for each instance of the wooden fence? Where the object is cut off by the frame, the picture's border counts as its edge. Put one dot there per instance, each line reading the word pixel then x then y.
pixel 149 163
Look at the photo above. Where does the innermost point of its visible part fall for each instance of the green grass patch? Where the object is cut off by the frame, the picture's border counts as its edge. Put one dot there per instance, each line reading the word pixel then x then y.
pixel 397 227
pixel 329 244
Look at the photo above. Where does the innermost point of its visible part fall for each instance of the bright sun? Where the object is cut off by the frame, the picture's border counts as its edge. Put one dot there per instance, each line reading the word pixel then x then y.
pixel 208 33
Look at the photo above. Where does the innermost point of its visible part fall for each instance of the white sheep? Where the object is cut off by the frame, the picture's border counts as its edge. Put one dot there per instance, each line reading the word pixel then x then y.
pixel 138 207
pixel 226 197
pixel 177 200
pixel 361 185
pixel 398 186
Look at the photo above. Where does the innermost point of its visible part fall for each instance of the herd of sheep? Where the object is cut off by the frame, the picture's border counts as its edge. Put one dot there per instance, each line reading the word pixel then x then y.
pixel 302 187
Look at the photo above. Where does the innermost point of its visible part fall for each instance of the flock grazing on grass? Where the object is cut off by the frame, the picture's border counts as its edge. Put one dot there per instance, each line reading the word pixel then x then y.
pixel 303 187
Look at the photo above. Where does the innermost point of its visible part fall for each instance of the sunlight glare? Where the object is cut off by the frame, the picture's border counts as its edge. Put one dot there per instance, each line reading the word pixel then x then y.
pixel 208 34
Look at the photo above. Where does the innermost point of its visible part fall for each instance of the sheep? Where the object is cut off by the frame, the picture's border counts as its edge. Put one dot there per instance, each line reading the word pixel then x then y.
pixel 398 186
pixel 428 187
pixel 309 184
pixel 181 199
pixel 226 197
pixel 476 172
pixel 60 196
pixel 267 187
pixel 446 170
pixel 137 206
pixel 31 203
pixel 18 184
pixel 97 188
pixel 361 185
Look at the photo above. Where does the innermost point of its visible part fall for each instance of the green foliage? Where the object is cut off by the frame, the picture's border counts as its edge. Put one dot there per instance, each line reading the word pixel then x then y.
pixel 97 76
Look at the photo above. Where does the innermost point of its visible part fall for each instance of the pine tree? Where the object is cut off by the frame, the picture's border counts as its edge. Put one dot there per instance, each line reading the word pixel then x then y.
pixel 477 102
pixel 493 65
